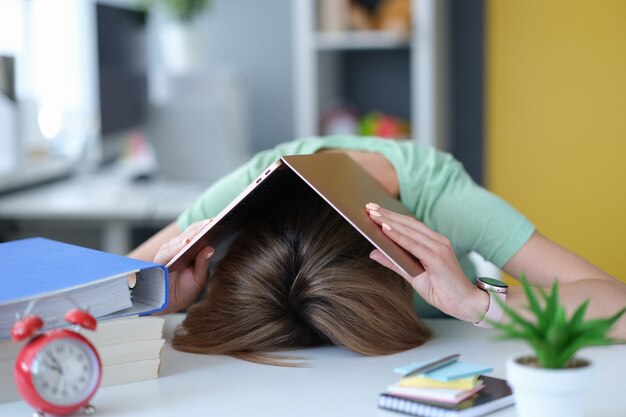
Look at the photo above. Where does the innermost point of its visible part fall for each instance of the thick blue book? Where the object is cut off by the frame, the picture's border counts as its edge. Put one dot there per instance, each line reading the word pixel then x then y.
pixel 48 278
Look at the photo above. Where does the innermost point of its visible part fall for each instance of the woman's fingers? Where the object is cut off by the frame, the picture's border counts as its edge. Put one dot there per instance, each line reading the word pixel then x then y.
pixel 415 247
pixel 418 282
pixel 429 247
pixel 201 266
pixel 194 228
pixel 419 244
pixel 170 248
pixel 379 257
pixel 391 227
pixel 380 215
pixel 186 284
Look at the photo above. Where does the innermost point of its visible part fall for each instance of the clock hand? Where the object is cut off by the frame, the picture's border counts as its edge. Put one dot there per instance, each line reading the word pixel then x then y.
pixel 57 365
pixel 52 366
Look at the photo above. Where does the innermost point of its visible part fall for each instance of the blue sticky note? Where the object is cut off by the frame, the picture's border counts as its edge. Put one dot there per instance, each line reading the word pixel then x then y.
pixel 455 370
pixel 403 370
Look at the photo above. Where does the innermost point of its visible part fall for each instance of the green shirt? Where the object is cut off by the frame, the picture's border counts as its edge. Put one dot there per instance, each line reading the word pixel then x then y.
pixel 433 185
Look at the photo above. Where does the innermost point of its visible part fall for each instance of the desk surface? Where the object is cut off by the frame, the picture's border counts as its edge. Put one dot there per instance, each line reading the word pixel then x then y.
pixel 336 382
pixel 108 194
pixel 107 199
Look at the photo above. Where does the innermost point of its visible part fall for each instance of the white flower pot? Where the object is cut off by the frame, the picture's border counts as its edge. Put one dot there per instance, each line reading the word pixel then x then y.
pixel 184 46
pixel 548 392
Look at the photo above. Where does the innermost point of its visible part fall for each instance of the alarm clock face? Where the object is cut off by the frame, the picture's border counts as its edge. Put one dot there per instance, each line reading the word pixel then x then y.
pixel 65 371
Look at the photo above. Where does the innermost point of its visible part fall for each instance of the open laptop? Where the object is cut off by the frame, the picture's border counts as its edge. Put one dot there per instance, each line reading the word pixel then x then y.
pixel 335 177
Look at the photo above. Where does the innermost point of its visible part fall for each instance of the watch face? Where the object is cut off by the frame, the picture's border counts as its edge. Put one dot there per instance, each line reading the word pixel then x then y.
pixel 65 371
pixel 493 282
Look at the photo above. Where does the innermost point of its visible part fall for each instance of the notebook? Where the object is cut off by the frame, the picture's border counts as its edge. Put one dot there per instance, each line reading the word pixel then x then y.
pixel 496 395
pixel 335 177
pixel 444 395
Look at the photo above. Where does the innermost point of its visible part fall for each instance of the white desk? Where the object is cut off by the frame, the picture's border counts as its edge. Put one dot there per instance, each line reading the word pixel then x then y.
pixel 337 382
pixel 107 199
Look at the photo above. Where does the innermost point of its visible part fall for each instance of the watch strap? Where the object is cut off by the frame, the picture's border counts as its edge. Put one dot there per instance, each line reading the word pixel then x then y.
pixel 494 311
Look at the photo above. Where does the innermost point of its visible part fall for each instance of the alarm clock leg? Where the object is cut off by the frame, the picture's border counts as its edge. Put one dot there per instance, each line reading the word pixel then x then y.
pixel 38 414
pixel 89 410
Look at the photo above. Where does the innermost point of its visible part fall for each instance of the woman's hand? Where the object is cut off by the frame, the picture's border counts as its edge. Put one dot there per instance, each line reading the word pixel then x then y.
pixel 186 284
pixel 443 283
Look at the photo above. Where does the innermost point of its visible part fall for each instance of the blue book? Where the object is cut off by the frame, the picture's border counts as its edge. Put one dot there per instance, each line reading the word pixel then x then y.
pixel 47 278
pixel 450 372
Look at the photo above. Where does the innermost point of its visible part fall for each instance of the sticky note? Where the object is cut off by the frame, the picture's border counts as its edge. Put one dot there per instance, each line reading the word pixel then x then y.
pixel 455 370
pixel 423 382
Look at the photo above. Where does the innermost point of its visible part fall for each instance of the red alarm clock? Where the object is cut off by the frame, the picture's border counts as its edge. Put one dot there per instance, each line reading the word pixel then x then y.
pixel 57 371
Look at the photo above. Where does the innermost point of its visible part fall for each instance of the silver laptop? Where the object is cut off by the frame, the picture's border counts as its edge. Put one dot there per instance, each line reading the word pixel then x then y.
pixel 335 177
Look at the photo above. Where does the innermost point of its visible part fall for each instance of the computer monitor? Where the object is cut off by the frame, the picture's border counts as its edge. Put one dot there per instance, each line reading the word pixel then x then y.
pixel 7 77
pixel 122 72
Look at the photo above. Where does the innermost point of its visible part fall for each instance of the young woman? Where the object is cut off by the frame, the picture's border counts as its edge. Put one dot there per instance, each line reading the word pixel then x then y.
pixel 301 276
pixel 452 217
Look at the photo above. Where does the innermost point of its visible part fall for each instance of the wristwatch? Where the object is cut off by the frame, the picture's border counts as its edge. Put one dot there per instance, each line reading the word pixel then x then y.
pixel 496 289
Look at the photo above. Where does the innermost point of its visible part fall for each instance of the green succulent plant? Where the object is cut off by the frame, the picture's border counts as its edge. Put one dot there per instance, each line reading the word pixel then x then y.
pixel 554 338
pixel 183 10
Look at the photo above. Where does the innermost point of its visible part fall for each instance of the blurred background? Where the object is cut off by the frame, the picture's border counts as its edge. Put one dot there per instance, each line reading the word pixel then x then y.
pixel 115 114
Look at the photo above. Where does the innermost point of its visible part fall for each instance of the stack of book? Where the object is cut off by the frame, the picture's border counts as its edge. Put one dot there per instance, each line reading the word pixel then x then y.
pixel 47 278
pixel 455 389
pixel 129 348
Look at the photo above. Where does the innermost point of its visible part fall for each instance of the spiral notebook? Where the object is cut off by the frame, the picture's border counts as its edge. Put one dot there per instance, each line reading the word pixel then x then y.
pixel 496 395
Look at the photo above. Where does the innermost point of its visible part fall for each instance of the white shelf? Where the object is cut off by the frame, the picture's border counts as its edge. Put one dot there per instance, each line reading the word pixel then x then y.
pixel 355 40
pixel 318 76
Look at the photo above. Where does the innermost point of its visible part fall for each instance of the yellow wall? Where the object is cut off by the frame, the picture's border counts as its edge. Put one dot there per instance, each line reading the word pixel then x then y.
pixel 556 120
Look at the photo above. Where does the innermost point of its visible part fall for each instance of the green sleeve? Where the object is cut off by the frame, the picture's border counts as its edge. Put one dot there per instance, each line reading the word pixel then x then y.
pixel 223 191
pixel 474 219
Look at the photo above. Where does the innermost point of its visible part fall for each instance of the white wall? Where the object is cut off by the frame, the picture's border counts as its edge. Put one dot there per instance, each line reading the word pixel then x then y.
pixel 255 36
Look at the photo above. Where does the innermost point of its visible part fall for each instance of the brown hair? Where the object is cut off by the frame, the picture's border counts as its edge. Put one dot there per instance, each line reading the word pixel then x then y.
pixel 303 277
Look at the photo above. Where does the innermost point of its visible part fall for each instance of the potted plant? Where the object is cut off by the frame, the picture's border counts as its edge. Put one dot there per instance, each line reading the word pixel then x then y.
pixel 552 381
pixel 182 35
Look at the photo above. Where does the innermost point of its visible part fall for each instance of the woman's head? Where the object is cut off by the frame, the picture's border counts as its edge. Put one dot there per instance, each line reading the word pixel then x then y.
pixel 301 277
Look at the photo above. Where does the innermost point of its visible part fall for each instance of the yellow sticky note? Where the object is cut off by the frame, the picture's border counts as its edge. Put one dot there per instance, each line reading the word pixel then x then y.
pixel 422 382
